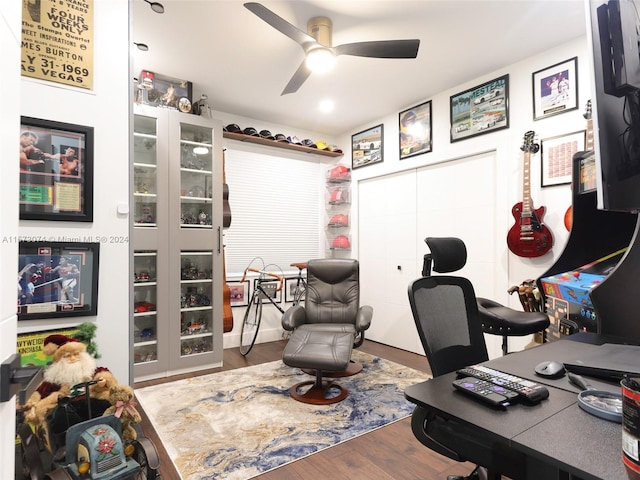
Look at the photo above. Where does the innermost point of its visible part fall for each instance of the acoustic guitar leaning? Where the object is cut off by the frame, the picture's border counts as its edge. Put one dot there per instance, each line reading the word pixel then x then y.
pixel 528 237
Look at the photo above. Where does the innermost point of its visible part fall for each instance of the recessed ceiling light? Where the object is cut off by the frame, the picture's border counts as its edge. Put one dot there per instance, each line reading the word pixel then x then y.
pixel 326 106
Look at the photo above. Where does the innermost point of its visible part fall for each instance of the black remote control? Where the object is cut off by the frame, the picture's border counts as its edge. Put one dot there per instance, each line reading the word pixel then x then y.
pixel 527 390
pixel 486 392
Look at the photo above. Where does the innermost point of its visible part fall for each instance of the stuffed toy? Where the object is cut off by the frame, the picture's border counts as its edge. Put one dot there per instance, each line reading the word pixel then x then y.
pixel 71 366
pixel 124 408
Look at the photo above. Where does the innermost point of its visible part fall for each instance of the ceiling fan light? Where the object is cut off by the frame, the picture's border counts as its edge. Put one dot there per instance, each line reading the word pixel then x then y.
pixel 320 60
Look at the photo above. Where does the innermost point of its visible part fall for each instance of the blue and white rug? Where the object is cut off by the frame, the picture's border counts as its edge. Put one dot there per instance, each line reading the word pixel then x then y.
pixel 240 423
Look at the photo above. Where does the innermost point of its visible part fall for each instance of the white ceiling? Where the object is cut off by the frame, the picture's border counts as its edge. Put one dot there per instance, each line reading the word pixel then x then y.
pixel 242 64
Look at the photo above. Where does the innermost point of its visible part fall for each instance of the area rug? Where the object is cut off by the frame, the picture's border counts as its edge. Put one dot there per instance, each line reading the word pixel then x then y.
pixel 237 424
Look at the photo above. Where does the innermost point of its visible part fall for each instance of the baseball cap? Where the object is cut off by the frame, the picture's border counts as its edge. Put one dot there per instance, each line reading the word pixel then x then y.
pixel 294 140
pixel 307 142
pixel 281 138
pixel 339 172
pixel 251 131
pixel 338 195
pixel 339 220
pixel 267 134
pixel 341 241
pixel 322 145
pixel 233 128
pixel 334 148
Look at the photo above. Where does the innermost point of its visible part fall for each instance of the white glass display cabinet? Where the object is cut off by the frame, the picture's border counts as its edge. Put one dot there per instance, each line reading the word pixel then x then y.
pixel 177 243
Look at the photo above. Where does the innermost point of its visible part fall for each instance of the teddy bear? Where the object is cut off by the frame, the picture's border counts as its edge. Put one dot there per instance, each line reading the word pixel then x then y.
pixel 123 407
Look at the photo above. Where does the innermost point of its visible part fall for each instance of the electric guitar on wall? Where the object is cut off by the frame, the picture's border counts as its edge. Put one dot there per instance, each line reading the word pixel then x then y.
pixel 529 237
pixel 568 216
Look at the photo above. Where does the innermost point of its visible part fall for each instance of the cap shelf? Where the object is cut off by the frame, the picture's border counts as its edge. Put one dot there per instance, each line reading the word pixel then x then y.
pixel 274 143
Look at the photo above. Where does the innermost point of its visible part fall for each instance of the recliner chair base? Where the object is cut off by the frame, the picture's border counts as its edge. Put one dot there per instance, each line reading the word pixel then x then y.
pixel 320 393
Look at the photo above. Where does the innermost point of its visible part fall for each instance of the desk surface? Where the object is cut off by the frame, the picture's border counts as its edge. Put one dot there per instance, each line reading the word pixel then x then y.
pixel 556 431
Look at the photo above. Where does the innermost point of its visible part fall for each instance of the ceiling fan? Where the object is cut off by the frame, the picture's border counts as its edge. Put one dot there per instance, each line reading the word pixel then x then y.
pixel 316 43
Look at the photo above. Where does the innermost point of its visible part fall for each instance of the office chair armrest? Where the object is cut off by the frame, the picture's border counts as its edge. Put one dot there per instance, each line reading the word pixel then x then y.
pixel 420 422
pixel 294 317
pixel 363 318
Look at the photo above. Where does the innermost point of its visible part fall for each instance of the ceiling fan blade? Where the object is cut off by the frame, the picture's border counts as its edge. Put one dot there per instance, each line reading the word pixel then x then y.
pixel 381 49
pixel 281 24
pixel 298 79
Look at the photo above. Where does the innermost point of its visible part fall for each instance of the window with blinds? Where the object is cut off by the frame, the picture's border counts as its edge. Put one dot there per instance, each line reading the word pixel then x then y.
pixel 276 206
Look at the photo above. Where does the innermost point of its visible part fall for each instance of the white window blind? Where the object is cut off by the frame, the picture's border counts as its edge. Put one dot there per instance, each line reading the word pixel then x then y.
pixel 275 210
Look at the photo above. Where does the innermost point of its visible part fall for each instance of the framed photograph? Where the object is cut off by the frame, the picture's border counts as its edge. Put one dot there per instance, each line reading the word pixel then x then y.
pixel 290 289
pixel 56 171
pixel 480 109
pixel 557 157
pixel 366 147
pixel 266 285
pixel 239 293
pixel 555 89
pixel 415 130
pixel 57 279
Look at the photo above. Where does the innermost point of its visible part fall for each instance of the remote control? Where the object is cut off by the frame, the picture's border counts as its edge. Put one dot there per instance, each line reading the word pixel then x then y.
pixel 527 390
pixel 486 392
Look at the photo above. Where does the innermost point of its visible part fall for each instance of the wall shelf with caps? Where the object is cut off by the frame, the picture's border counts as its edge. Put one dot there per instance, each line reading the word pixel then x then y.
pixel 274 143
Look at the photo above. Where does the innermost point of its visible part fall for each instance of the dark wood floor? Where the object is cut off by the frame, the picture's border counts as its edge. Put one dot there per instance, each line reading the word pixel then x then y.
pixel 388 453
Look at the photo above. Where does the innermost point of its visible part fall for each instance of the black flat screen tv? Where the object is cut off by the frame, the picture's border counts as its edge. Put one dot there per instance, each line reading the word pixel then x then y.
pixel 57 279
pixel 614 37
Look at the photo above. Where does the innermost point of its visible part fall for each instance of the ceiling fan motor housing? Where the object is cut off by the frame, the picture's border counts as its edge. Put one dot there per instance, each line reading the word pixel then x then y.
pixel 320 28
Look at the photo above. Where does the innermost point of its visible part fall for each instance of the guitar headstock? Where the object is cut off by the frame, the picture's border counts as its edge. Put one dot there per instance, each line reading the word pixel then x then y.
pixel 528 144
pixel 587 110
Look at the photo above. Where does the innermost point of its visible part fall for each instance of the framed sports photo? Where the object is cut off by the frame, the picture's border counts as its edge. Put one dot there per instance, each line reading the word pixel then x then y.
pixel 481 109
pixel 555 89
pixel 239 293
pixel 366 147
pixel 415 130
pixel 56 171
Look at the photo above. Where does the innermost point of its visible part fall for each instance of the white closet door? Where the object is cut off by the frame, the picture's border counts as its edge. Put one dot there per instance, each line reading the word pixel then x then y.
pixel 397 212
pixel 387 254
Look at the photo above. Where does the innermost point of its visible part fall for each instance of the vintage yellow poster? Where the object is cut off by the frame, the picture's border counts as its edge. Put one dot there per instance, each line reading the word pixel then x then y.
pixel 30 346
pixel 57 41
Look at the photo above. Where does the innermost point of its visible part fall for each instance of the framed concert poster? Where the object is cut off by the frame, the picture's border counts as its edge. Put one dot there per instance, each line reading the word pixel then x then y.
pixel 481 109
pixel 366 147
pixel 415 130
pixel 56 171
pixel 555 89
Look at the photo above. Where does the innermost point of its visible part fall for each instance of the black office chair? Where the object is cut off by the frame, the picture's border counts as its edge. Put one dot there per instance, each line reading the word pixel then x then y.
pixel 446 314
pixel 495 318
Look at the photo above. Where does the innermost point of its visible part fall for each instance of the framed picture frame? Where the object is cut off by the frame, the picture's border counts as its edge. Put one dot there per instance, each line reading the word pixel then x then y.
pixel 556 157
pixel 479 110
pixel 56 171
pixel 239 293
pixel 555 89
pixel 414 126
pixel 290 284
pixel 277 298
pixel 57 279
pixel 367 147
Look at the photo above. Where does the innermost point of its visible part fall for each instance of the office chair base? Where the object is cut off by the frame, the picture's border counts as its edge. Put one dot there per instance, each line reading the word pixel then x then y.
pixel 352 369
pixel 320 393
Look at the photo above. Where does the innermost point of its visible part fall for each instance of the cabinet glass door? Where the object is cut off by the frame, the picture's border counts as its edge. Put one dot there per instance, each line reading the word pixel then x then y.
pixel 145 168
pixel 196 310
pixel 145 322
pixel 196 168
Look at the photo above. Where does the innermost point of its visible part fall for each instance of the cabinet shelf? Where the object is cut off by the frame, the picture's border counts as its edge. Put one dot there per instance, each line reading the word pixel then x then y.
pixel 145 343
pixel 273 143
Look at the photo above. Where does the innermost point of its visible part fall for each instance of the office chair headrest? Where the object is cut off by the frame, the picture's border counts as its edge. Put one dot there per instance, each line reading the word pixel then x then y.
pixel 448 253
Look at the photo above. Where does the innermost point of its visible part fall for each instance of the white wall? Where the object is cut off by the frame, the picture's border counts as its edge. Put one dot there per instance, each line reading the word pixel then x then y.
pixel 106 109
pixel 511 269
pixel 10 15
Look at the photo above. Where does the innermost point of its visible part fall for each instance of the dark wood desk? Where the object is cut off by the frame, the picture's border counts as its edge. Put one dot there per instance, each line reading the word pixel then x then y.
pixel 558 437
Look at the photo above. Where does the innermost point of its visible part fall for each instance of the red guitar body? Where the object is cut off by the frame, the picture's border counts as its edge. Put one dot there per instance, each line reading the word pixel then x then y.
pixel 529 237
